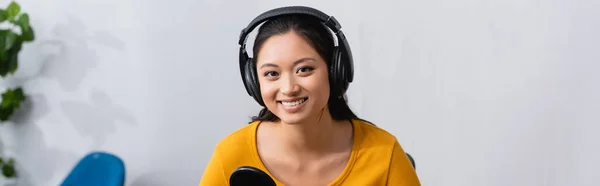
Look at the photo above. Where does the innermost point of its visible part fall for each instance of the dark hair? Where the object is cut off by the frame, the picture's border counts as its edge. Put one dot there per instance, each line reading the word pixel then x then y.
pixel 317 36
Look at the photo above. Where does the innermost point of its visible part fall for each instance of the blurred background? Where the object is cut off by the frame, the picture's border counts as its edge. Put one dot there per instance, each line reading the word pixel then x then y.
pixel 495 93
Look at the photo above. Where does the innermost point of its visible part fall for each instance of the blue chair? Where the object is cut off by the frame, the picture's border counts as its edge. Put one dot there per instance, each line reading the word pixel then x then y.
pixel 97 169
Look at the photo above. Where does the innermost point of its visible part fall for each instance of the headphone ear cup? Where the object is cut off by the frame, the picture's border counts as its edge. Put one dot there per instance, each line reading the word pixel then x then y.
pixel 343 73
pixel 247 78
pixel 336 74
pixel 252 84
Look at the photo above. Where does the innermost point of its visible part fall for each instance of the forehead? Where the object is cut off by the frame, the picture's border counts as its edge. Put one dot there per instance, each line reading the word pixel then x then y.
pixel 285 49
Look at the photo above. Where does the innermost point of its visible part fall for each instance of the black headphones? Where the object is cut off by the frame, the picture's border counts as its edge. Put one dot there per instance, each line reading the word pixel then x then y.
pixel 341 70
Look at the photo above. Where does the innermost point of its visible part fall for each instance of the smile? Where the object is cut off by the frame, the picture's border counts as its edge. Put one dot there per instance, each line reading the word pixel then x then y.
pixel 293 105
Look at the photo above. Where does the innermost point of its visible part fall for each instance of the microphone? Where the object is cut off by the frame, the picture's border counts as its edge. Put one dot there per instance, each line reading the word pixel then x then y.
pixel 247 175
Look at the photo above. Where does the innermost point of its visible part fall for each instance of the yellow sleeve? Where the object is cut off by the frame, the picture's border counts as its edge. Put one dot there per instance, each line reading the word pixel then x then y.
pixel 214 174
pixel 401 171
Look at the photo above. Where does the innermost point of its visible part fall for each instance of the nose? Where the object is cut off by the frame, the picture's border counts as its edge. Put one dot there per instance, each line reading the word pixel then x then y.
pixel 290 88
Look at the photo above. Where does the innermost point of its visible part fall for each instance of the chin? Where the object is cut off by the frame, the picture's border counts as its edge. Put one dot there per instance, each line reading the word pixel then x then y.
pixel 292 119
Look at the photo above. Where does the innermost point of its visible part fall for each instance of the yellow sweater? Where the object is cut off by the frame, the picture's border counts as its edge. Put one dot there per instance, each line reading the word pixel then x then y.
pixel 377 159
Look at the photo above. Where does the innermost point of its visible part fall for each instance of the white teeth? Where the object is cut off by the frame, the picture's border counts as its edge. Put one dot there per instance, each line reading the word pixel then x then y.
pixel 293 103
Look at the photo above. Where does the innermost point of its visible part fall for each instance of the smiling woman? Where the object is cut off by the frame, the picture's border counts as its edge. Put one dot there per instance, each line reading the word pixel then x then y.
pixel 306 134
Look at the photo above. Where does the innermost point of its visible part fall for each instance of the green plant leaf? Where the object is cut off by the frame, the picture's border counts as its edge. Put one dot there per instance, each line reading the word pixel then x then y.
pixel 3 16
pixel 5 114
pixel 3 49
pixel 23 21
pixel 7 39
pixel 8 170
pixel 11 101
pixel 27 33
pixel 12 98
pixel 13 10
pixel 10 39
pixel 13 57
pixel 10 59
pixel 3 63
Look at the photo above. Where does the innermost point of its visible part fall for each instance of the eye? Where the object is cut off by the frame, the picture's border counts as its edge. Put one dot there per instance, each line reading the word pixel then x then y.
pixel 271 73
pixel 305 69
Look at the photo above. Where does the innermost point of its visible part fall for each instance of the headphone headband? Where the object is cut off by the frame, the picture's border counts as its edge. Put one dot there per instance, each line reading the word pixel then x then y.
pixel 329 21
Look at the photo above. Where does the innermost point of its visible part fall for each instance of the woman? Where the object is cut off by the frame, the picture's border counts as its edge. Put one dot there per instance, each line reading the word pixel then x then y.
pixel 306 134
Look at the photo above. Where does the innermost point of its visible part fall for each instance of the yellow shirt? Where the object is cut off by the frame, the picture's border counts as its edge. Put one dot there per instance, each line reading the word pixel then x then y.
pixel 377 159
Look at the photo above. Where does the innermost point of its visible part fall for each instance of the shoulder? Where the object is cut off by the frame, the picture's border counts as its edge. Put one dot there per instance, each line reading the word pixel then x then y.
pixel 380 155
pixel 372 134
pixel 237 149
pixel 375 141
pixel 230 152
pixel 238 140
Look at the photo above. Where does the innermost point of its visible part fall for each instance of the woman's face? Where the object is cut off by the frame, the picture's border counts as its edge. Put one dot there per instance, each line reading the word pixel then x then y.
pixel 293 78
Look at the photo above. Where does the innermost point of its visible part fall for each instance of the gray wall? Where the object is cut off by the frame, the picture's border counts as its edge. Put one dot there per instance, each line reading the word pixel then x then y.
pixel 501 92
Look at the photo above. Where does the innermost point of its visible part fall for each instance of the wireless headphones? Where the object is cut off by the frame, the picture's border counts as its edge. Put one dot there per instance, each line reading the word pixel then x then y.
pixel 341 70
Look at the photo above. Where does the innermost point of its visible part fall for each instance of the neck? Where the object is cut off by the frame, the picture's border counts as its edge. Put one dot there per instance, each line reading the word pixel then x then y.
pixel 313 137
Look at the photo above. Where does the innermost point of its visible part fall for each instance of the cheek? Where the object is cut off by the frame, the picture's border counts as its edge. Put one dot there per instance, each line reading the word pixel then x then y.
pixel 267 90
pixel 324 90
pixel 318 85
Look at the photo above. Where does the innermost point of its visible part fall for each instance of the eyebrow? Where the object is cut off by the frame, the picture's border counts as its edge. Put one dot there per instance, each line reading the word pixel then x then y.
pixel 295 62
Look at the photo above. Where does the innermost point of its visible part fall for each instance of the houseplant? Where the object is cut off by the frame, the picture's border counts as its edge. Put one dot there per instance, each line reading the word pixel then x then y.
pixel 8 172
pixel 12 37
pixel 11 40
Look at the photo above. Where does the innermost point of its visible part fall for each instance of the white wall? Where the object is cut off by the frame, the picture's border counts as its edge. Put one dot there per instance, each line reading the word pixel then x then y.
pixel 500 92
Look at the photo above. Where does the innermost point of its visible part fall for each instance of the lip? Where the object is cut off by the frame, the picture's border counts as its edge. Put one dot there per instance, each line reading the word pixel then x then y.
pixel 292 99
pixel 294 108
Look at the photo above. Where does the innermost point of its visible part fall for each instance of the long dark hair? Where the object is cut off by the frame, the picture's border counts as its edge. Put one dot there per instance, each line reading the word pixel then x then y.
pixel 321 39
